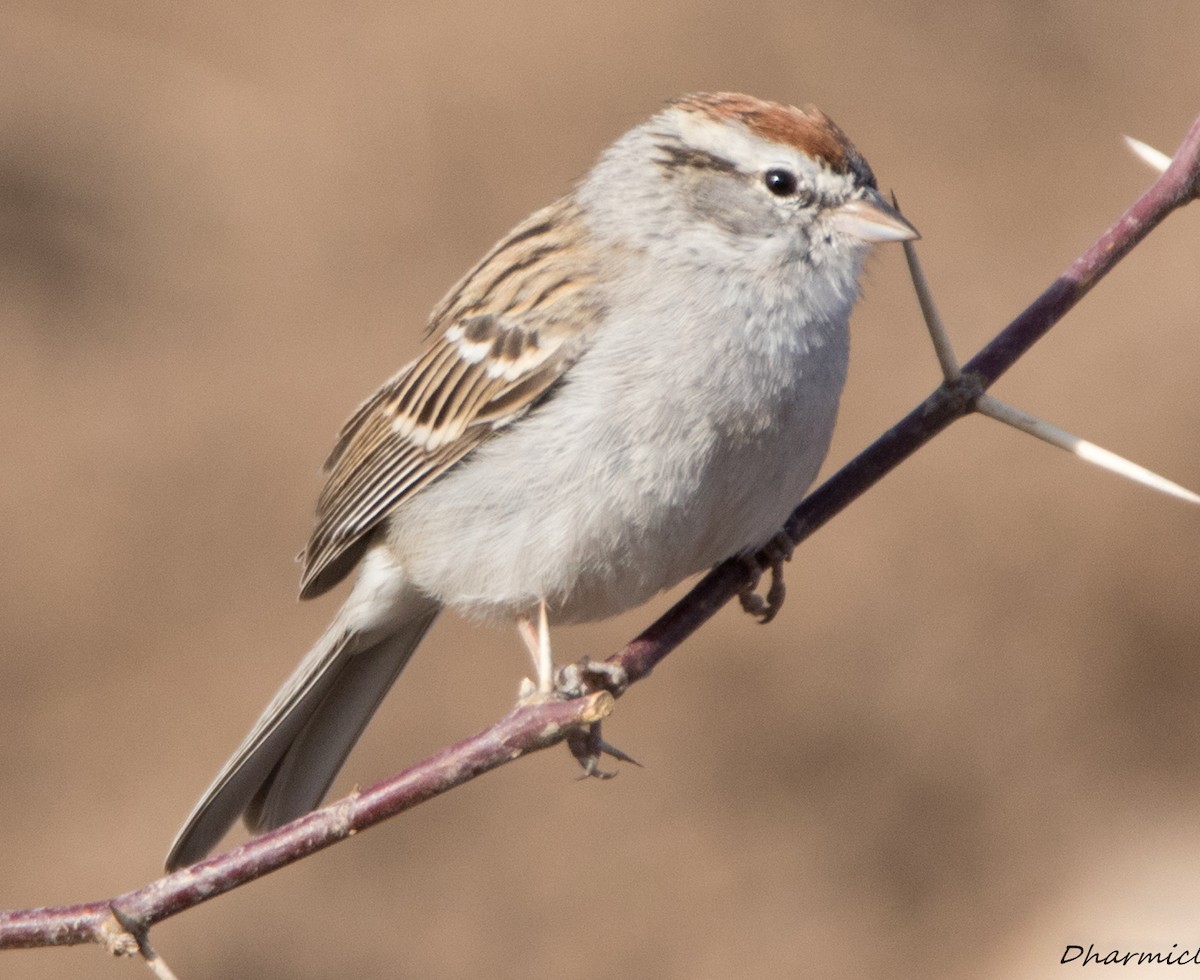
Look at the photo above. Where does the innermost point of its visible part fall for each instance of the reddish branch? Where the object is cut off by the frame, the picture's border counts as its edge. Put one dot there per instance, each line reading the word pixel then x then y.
pixel 119 923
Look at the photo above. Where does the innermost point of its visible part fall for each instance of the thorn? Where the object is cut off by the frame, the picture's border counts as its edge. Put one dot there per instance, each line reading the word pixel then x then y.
pixel 1085 450
pixel 1155 159
pixel 933 323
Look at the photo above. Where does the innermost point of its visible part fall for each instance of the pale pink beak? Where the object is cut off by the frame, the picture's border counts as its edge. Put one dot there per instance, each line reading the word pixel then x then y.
pixel 872 219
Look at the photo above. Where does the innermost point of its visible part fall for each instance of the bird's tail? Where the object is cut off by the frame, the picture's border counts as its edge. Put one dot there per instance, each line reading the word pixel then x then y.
pixel 286 764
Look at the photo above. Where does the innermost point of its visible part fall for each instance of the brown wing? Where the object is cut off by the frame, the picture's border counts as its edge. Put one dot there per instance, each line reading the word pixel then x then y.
pixel 498 342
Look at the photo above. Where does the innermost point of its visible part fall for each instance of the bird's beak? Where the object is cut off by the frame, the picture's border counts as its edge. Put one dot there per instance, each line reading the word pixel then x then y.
pixel 872 219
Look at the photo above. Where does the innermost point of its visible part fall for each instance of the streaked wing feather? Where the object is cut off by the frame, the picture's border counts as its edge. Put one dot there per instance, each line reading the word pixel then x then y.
pixel 478 372
pixel 355 423
pixel 384 486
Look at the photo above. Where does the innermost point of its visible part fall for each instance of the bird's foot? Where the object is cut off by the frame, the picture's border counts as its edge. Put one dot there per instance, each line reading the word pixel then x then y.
pixel 572 681
pixel 576 680
pixel 769 558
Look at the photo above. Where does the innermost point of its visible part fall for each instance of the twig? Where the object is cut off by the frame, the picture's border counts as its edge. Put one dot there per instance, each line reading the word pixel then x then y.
pixel 1023 421
pixel 520 732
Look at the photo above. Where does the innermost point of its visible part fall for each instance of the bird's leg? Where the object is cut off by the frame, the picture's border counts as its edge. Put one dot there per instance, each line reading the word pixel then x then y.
pixel 572 681
pixel 537 642
pixel 774 553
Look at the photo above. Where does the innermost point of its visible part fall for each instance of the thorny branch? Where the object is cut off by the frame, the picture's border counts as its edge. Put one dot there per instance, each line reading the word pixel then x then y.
pixel 121 923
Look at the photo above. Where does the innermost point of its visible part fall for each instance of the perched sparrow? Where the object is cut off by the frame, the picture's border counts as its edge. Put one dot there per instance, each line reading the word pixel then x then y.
pixel 635 383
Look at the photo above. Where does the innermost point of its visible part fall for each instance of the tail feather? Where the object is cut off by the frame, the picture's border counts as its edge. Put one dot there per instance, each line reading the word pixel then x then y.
pixel 302 777
pixel 287 762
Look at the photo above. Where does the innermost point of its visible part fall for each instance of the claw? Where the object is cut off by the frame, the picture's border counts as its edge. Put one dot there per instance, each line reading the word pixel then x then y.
pixel 771 557
pixel 587 746
pixel 576 680
pixel 609 749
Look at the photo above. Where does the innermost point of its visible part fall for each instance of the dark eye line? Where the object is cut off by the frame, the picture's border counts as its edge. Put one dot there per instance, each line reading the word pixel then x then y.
pixel 779 181
pixel 679 157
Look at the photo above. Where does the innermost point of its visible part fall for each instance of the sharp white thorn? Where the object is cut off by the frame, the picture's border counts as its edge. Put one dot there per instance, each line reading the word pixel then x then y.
pixel 1100 456
pixel 1153 158
pixel 933 322
pixel 1085 450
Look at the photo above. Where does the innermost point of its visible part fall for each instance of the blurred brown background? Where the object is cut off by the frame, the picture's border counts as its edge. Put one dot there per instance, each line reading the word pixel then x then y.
pixel 970 739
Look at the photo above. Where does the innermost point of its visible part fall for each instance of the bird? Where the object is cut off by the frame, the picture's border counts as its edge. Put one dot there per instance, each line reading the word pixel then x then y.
pixel 636 382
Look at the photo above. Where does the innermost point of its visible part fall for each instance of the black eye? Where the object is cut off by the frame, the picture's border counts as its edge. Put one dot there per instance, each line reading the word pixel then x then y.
pixel 780 182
